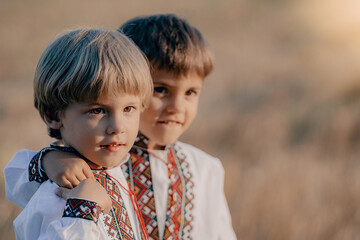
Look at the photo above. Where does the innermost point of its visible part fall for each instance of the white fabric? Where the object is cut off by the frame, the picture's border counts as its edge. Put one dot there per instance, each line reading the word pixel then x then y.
pixel 212 218
pixel 211 214
pixel 42 216
pixel 17 186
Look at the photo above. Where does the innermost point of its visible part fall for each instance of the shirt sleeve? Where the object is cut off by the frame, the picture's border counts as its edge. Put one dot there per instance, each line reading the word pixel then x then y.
pixel 18 188
pixel 225 226
pixel 211 213
pixel 50 217
pixel 214 210
pixel 23 175
pixel 69 228
pixel 36 173
pixel 78 221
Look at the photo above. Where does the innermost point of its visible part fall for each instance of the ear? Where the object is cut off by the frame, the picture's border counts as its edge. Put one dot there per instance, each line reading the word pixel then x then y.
pixel 51 123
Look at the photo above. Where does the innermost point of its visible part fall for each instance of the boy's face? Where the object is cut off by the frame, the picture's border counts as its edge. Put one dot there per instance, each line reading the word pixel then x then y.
pixel 102 131
pixel 172 108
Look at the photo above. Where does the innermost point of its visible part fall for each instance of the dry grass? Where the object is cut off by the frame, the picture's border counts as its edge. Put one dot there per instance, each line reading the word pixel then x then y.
pixel 281 108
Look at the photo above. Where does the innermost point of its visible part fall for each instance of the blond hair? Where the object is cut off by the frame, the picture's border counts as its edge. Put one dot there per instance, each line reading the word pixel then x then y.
pixel 87 64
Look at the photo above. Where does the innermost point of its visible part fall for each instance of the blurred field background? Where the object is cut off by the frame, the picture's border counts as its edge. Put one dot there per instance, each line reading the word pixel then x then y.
pixel 281 109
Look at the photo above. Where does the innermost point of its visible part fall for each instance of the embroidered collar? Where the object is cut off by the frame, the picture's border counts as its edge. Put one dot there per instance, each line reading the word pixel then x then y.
pixel 139 176
pixel 118 212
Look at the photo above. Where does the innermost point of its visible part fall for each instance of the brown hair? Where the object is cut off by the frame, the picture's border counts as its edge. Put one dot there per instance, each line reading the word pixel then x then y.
pixel 171 44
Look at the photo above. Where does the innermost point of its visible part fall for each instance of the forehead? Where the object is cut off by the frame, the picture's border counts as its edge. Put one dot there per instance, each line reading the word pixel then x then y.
pixel 166 78
pixel 113 99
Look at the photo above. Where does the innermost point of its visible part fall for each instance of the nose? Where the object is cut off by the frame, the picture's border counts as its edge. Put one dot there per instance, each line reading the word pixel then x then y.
pixel 116 125
pixel 176 104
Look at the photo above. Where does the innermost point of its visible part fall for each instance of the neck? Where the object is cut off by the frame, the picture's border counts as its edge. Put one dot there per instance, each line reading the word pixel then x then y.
pixel 94 166
pixel 154 146
pixel 144 142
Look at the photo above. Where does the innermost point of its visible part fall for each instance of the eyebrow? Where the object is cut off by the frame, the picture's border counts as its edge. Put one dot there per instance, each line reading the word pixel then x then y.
pixel 169 85
pixel 101 104
pixel 94 103
pixel 161 83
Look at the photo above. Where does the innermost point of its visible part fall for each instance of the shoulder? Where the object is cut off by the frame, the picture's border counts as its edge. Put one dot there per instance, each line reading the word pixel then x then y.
pixel 26 153
pixel 23 154
pixel 199 157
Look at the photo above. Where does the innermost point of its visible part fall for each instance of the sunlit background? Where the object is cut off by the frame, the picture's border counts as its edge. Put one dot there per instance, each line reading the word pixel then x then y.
pixel 281 108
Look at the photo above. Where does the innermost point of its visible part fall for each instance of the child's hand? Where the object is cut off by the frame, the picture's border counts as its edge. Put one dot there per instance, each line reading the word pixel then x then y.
pixel 88 189
pixel 66 169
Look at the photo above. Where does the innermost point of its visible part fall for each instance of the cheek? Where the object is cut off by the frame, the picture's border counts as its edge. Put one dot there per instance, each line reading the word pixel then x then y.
pixel 193 108
pixel 86 128
pixel 156 105
pixel 191 113
pixel 74 133
pixel 150 113
pixel 89 126
pixel 136 123
pixel 132 122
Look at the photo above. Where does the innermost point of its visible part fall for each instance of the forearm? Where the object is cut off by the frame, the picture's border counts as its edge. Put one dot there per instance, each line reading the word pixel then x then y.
pixel 77 222
pixel 68 228
pixel 45 218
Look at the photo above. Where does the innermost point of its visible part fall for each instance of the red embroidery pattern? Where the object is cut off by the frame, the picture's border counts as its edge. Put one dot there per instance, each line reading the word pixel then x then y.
pixel 175 196
pixel 178 220
pixel 80 208
pixel 143 188
pixel 118 217
pixel 189 192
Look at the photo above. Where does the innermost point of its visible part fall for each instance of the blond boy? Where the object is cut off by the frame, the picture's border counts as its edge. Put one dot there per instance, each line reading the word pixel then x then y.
pixel 90 86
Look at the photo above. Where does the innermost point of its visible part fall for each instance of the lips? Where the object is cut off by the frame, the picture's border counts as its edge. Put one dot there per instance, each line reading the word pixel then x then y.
pixel 112 147
pixel 170 122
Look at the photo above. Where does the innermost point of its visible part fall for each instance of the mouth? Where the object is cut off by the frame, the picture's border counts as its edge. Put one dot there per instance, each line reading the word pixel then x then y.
pixel 112 147
pixel 170 123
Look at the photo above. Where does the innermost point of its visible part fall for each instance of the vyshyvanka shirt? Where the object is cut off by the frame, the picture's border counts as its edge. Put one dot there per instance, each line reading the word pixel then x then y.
pixel 179 190
pixel 47 216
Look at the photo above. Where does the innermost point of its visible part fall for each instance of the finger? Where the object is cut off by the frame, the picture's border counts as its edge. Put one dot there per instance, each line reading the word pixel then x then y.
pixel 66 183
pixel 74 180
pixel 88 173
pixel 107 205
pixel 62 192
pixel 107 210
pixel 78 179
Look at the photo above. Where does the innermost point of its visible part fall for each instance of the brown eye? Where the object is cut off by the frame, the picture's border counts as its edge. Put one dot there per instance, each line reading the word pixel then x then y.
pixel 161 90
pixel 97 111
pixel 129 109
pixel 191 93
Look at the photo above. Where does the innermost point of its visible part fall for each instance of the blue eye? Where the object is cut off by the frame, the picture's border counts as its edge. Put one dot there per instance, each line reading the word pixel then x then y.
pixel 161 90
pixel 97 111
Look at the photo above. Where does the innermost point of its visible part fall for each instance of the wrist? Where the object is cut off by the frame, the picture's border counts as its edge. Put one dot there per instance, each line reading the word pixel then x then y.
pixel 81 208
